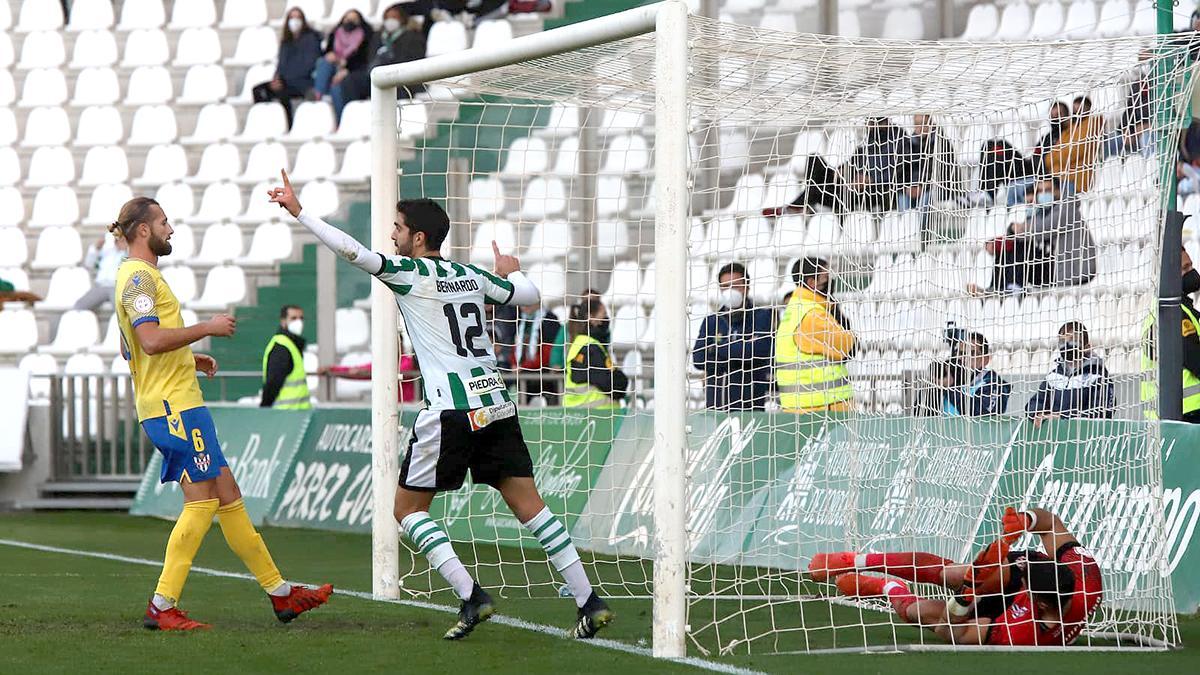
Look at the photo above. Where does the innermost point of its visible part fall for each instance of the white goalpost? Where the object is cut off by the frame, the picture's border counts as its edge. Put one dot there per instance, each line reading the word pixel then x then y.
pixel 991 313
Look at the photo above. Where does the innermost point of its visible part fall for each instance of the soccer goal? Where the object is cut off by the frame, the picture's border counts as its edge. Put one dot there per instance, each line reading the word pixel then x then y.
pixel 990 221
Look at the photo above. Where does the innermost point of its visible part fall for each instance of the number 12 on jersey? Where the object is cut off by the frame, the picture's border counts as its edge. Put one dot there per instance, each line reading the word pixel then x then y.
pixel 464 340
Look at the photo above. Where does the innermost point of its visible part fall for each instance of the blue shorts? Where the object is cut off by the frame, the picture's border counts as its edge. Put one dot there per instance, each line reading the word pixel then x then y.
pixel 188 443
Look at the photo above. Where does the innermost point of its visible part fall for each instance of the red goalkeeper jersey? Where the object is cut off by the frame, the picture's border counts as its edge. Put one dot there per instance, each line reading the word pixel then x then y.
pixel 1018 626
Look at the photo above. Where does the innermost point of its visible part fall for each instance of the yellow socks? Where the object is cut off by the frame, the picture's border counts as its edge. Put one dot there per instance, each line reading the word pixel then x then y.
pixel 248 544
pixel 186 537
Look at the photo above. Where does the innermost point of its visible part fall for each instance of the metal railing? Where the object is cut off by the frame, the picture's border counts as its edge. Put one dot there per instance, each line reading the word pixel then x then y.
pixel 94 432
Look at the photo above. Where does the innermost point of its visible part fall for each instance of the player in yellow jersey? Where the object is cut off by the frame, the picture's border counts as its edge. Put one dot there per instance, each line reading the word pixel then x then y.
pixel 171 410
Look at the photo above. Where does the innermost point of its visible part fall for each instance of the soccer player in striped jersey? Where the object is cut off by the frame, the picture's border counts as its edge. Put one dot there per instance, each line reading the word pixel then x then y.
pixel 172 413
pixel 470 421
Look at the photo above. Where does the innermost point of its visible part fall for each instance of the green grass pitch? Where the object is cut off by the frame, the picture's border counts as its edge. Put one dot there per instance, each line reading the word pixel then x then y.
pixel 61 613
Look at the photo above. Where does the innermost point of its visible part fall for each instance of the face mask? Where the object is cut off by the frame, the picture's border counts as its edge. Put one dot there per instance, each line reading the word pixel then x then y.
pixel 1191 282
pixel 1070 351
pixel 731 298
pixel 599 331
pixel 1044 198
pixel 350 24
pixel 295 24
pixel 296 326
pixel 391 25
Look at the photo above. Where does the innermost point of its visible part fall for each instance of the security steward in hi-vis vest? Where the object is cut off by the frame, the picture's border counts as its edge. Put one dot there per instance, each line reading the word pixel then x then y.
pixel 1191 351
pixel 285 386
pixel 591 379
pixel 812 344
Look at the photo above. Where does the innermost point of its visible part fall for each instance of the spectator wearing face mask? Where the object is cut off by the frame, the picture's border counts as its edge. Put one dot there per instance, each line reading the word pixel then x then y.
pixel 347 51
pixel 592 381
pixel 285 384
pixel 400 40
pixel 734 348
pixel 927 173
pixel 812 345
pixel 1079 385
pixel 1073 159
pixel 299 49
pixel 1191 350
pixel 1054 224
pixel 968 386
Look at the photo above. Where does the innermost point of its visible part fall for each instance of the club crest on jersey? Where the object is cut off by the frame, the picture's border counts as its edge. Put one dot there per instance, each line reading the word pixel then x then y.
pixel 457 285
pixel 202 462
pixel 1018 610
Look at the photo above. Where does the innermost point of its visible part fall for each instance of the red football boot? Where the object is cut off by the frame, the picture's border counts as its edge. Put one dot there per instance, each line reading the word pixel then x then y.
pixel 299 601
pixel 825 566
pixel 170 619
pixel 860 585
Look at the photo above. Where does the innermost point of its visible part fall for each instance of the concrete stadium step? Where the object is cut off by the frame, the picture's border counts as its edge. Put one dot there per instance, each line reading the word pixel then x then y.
pixel 76 504
pixel 90 486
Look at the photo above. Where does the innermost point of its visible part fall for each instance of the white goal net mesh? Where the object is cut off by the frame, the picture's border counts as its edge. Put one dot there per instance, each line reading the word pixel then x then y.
pixel 921 280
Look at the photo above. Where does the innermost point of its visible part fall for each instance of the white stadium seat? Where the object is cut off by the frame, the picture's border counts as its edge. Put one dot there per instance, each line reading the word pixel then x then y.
pixel 78 330
pixel 414 119
pixel 254 76
pixel 356 122
pixel 354 329
pixel 90 15
pixel 16 276
pixel 104 164
pixel 612 196
pixel 8 126
pixel 356 161
pixel 96 86
pixel 315 160
pixel 8 90
pixel 485 198
pixel 259 209
pixel 256 44
pixel 149 85
pixel 192 14
pixel 313 119
pixel 623 284
pixel 99 125
pixel 220 201
pixel 36 364
pixel 500 231
pixel 446 37
pixel 549 241
pixel 566 157
pixel 551 280
pixel 225 285
pixel 244 13
pixel 137 14
pixel 197 46
pixel 43 87
pixel 263 163
pixel 43 49
pixel 153 125
pixel 110 344
pixel 1115 18
pixel 265 121
pixel 543 197
pixel 18 331
pixel 10 166
pixel 12 207
pixel 165 163
pixel 179 203
pixel 203 84
pixel 54 205
pixel 272 242
pixel 626 154
pixel 1080 22
pixel 146 47
pixel 216 123
pixel 50 165
pixel 982 22
pixel 57 246
pixel 321 197
pixel 181 280
pixel 492 33
pixel 1047 21
pixel 221 244
pixel 564 121
pixel 220 161
pixel 39 15
pixel 106 200
pixel 901 23
pixel 93 48
pixel 13 249
pixel 7 54
pixel 612 239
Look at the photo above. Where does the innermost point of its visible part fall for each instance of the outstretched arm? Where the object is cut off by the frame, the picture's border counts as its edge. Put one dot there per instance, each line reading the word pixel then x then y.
pixel 347 247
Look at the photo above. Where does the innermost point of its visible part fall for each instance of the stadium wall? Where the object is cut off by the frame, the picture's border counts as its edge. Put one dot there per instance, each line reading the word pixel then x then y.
pixel 762 493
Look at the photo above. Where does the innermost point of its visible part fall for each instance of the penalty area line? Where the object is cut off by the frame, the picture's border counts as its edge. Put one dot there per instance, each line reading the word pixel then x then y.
pixel 501 619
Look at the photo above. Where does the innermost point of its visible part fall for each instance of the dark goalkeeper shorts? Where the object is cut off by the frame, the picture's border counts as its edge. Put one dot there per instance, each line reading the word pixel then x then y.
pixel 446 443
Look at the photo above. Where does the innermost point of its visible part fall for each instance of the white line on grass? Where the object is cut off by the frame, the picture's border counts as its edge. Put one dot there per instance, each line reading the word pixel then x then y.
pixel 500 619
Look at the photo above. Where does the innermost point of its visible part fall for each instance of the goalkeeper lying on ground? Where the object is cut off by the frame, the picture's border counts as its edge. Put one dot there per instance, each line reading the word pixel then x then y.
pixel 1003 598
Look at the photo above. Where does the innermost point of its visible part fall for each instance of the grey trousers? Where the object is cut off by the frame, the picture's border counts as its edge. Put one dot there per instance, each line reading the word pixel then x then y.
pixel 96 296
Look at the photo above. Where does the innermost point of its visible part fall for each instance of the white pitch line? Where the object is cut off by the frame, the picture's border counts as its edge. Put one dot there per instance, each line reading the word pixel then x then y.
pixel 496 618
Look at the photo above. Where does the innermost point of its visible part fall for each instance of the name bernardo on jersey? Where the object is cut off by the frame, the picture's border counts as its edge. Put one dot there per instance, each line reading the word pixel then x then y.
pixel 457 286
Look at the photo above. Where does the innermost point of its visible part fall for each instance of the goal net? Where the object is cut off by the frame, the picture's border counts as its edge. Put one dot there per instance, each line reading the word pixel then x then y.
pixel 919 283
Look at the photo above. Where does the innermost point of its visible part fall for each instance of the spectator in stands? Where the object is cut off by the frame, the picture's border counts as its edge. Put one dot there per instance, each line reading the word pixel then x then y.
pixel 347 51
pixel 735 345
pixel 9 293
pixel 299 49
pixel 963 384
pixel 528 334
pixel 103 258
pixel 1059 116
pixel 1000 166
pixel 871 175
pixel 823 189
pixel 1079 386
pixel 592 381
pixel 926 172
pixel 1055 225
pixel 471 11
pixel 1133 130
pixel 529 6
pixel 399 40
pixel 1191 349
pixel 1187 167
pixel 813 342
pixel 558 356
pixel 1073 159
pixel 285 383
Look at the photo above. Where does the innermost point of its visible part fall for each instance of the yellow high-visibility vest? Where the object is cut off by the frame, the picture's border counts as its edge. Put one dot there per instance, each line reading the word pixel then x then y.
pixel 582 394
pixel 806 380
pixel 293 395
pixel 1191 383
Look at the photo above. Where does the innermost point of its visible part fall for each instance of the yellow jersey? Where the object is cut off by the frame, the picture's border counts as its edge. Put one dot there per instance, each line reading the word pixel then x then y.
pixel 164 383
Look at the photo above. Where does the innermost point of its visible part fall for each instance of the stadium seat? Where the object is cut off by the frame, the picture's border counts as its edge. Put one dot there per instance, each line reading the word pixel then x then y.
pixel 446 37
pixel 78 330
pixel 611 196
pixel 179 203
pixel 823 236
pixel 216 123
pixel 153 125
pixel 255 75
pixel 106 201
pixel 612 239
pixel 244 14
pixel 192 14
pixel 901 23
pixel 12 207
pixel 149 85
pixel 272 242
pixel 748 194
pixel 256 44
pixel 39 15
pixel 220 201
pixel 720 234
pixel 544 197
pixel 354 329
pixel 67 285
pixel 10 166
pixel 5 16
pixel 628 324
pixel 313 120
pixel 258 208
pixel 356 164
pixel 499 231
pixel 551 280
pixel 181 280
pixel 320 198
pixel 146 47
pixel 901 232
pixel 104 164
pixel 35 365
pixel 1047 21
pixel 90 15
pixel 349 389
pixel 1115 18
pixel 566 157
pixel 7 54
pixel 50 165
pixel 43 49
pixel 225 285
pixel 57 246
pixel 221 244
pixel 13 249
pixel 43 87
pixel 525 156
pixel 626 154
pixel 8 125
pixel 549 241
pixel 18 331
pixel 788 238
pixel 563 122
pixel 17 276
pixel 753 236
pixel 623 284
pixel 315 160
pixel 848 24
pixel 492 33
pixel 735 150
pixel 110 343
pixel 982 22
pixel 141 14
pixel 263 163
pixel 164 164
pixel 356 122
pixel 785 21
pixel 1081 20
pixel 414 119
pixel 203 84
pixel 99 125
pixel 8 91
pixel 220 161
pixel 485 199
pixel 197 46
pixel 54 205
pixel 96 86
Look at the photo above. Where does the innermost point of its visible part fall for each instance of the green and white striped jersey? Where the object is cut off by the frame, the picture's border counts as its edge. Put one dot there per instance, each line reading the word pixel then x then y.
pixel 442 303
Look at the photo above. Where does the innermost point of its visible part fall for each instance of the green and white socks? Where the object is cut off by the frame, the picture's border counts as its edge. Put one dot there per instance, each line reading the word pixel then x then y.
pixel 433 543
pixel 554 538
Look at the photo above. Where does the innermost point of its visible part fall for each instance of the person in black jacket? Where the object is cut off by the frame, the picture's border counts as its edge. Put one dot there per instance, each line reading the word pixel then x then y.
pixel 347 51
pixel 592 380
pixel 736 346
pixel 279 359
pixel 399 41
pixel 1079 386
pixel 299 49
